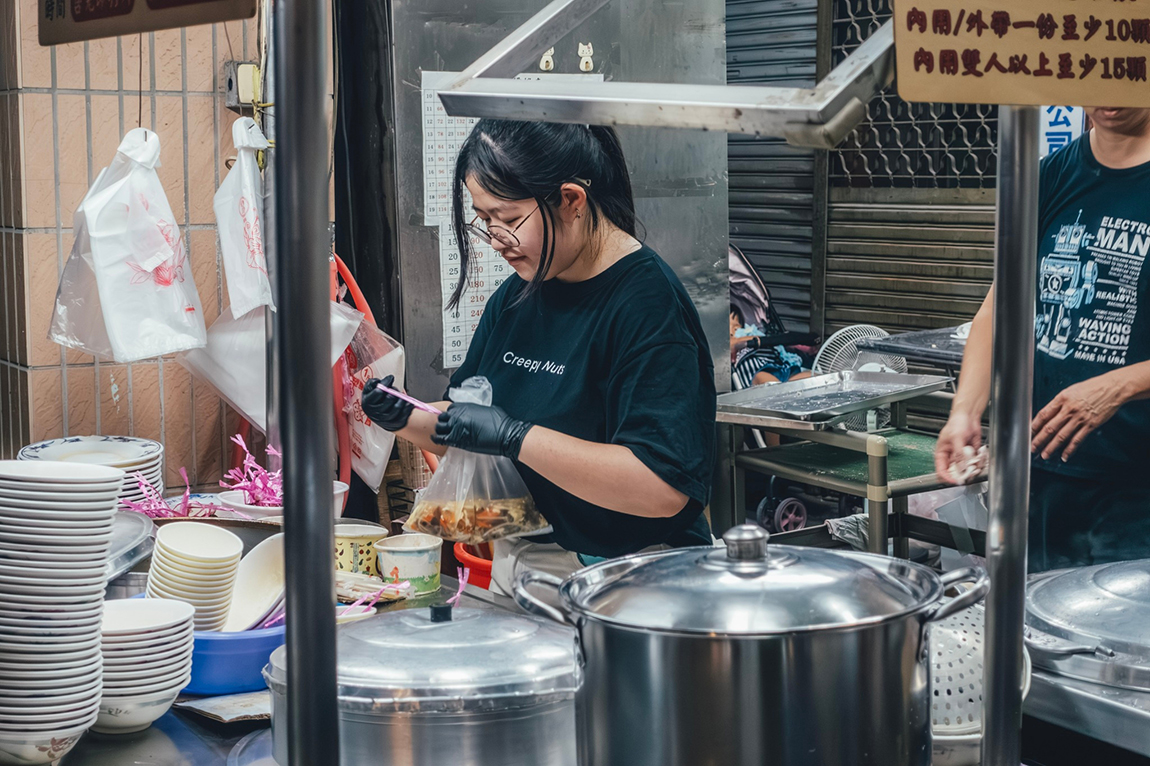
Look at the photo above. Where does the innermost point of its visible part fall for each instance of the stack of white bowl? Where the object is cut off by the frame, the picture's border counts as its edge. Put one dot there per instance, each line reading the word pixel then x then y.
pixel 130 454
pixel 55 530
pixel 197 563
pixel 147 648
pixel 259 591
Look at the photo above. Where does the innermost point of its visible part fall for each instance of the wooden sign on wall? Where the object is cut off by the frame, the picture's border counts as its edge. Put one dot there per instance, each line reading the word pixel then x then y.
pixel 66 21
pixel 1036 52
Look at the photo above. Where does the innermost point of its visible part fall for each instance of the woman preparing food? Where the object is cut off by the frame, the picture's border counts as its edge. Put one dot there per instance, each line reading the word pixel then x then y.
pixel 603 382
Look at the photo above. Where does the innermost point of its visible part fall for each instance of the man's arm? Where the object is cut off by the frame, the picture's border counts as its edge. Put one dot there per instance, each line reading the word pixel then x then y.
pixel 1079 409
pixel 964 427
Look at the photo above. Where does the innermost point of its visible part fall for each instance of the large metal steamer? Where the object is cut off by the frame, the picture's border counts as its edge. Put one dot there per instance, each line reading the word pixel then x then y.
pixel 754 657
pixel 428 687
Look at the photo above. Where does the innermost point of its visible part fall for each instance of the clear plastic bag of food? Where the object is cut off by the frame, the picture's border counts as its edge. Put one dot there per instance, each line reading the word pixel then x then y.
pixel 475 498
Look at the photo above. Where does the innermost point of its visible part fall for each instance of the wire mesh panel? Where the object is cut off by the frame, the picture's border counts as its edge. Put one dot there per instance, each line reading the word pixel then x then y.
pixel 935 146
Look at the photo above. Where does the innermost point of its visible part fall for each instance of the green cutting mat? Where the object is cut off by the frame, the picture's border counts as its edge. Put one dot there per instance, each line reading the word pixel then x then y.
pixel 910 455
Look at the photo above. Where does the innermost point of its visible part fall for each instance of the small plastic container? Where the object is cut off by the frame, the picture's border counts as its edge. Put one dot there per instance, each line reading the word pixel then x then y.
pixel 413 557
pixel 480 567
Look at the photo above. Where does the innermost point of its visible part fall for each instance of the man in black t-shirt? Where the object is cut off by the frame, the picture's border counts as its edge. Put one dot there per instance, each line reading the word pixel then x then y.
pixel 1090 479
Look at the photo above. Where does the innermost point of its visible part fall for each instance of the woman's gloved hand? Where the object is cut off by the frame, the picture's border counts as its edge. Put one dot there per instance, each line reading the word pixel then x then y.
pixel 477 428
pixel 386 411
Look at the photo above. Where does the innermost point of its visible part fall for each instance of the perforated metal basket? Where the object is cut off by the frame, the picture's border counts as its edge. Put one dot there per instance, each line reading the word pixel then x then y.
pixel 956 655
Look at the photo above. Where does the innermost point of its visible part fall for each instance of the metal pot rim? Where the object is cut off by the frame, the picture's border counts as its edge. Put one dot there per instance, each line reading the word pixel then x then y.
pixel 927 608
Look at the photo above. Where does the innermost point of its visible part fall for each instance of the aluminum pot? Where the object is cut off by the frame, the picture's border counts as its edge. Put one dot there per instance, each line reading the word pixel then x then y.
pixel 440 686
pixel 754 657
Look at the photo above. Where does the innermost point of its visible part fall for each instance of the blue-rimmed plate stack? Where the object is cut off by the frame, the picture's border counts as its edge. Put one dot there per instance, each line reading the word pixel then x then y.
pixel 134 456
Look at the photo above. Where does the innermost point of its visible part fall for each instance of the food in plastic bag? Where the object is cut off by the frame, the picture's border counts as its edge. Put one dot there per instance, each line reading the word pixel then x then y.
pixel 239 209
pixel 127 290
pixel 234 361
pixel 371 354
pixel 475 498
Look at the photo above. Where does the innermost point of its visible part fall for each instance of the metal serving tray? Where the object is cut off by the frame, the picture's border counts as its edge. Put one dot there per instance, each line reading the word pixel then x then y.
pixel 131 542
pixel 823 398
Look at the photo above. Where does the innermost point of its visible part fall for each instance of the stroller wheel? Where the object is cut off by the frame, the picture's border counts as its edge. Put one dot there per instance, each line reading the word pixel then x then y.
pixel 763 515
pixel 790 515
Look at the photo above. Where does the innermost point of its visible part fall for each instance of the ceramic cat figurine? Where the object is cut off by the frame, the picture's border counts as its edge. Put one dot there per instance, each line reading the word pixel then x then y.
pixel 547 63
pixel 586 51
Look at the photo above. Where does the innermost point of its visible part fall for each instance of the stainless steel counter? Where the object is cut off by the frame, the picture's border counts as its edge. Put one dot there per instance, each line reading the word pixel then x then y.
pixel 187 739
pixel 1117 716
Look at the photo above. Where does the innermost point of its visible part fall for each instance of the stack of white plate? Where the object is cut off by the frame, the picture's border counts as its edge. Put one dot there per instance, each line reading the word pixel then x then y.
pixel 55 530
pixel 197 563
pixel 128 453
pixel 147 648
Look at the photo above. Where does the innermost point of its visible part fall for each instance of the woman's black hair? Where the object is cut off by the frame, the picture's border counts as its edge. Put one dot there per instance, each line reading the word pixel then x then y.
pixel 532 160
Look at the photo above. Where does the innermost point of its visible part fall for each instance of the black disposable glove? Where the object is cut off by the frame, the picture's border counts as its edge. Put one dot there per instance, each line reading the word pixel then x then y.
pixel 477 428
pixel 385 410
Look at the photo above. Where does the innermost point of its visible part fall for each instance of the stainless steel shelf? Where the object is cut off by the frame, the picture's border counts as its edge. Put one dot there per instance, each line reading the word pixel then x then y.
pixel 1117 716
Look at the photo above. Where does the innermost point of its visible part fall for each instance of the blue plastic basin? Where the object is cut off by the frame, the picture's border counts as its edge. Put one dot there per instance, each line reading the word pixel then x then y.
pixel 231 663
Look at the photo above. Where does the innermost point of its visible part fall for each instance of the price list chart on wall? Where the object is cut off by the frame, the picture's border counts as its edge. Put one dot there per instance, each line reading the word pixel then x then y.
pixel 443 135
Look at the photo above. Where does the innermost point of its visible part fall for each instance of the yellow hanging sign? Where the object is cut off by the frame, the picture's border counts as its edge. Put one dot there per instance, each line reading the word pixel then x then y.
pixel 1082 52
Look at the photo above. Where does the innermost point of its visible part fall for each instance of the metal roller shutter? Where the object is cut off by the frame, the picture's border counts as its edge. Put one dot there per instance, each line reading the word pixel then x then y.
pixel 908 259
pixel 771 203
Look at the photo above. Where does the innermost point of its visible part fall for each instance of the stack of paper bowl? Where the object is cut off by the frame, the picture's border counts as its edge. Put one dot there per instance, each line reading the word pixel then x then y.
pixel 132 455
pixel 55 530
pixel 197 563
pixel 147 649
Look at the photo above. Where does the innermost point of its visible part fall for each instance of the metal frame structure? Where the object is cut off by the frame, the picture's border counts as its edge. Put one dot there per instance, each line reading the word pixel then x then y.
pixel 816 117
pixel 820 117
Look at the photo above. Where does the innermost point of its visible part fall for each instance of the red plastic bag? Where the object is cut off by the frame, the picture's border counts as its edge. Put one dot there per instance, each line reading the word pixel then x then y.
pixel 371 354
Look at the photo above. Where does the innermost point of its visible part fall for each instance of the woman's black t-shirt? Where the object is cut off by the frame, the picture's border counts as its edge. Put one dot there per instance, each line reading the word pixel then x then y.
pixel 620 358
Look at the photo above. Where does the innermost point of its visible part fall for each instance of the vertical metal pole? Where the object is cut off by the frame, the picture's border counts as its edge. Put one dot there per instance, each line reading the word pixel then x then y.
pixel 1015 271
pixel 272 387
pixel 877 502
pixel 304 345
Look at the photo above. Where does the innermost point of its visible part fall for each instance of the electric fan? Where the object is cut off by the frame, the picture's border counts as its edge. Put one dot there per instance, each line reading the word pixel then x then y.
pixel 840 352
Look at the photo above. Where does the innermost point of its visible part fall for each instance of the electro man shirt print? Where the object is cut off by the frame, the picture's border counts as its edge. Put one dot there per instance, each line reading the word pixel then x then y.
pixel 1088 290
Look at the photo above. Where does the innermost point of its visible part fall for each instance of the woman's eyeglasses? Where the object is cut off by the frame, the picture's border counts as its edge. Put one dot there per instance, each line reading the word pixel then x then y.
pixel 502 234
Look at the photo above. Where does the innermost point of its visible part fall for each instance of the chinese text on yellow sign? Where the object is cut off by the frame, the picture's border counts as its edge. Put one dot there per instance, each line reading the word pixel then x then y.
pixel 1085 52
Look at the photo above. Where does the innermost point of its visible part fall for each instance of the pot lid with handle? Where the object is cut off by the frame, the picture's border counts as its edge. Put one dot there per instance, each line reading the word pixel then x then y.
pixel 750 588
pixel 1093 623
pixel 422 660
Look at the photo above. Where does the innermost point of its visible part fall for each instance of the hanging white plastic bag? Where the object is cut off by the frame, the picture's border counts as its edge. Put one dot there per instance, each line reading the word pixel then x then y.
pixel 239 216
pixel 147 296
pixel 78 320
pixel 234 360
pixel 371 354
pixel 475 498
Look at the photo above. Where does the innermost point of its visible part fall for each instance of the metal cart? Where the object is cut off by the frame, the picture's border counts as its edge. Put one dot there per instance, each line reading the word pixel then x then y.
pixel 883 468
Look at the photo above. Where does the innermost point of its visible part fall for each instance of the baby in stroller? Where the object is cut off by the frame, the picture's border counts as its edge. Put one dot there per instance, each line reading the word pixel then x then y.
pixel 759 341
